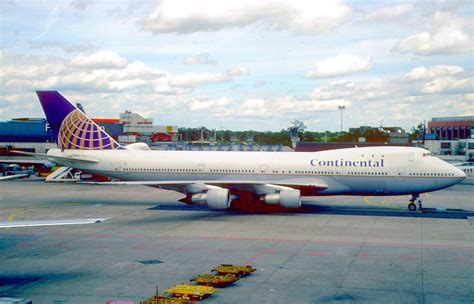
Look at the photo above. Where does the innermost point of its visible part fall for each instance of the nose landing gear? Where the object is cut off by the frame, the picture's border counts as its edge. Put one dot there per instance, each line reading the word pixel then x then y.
pixel 415 199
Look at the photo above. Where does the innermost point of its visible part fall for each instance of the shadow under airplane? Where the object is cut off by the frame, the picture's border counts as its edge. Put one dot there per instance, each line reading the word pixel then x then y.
pixel 311 209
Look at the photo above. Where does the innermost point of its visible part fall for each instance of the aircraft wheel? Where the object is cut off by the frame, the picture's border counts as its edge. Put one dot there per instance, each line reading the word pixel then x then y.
pixel 412 206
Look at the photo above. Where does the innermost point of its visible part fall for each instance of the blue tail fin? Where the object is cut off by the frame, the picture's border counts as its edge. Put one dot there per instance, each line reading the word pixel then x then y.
pixel 72 129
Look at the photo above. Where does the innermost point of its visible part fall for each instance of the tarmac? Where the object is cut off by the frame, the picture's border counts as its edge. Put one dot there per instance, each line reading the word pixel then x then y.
pixel 338 249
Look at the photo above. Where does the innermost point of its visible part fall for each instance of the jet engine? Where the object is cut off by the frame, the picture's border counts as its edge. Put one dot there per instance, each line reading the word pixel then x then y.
pixel 286 198
pixel 214 198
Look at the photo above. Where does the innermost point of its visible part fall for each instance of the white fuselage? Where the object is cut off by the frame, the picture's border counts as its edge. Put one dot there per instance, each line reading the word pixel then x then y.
pixel 353 171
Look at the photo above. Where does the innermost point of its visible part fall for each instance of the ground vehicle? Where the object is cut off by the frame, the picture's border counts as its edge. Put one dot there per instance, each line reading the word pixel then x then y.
pixel 15 169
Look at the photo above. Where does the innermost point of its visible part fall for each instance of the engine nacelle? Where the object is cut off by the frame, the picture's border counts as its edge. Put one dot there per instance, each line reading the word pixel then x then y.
pixel 286 198
pixel 218 198
pixel 198 199
pixel 214 198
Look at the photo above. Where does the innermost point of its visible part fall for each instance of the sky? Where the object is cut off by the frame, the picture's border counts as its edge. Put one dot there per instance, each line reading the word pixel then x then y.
pixel 242 65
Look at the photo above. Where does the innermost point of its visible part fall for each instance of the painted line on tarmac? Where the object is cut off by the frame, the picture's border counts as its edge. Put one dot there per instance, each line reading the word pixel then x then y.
pixel 384 203
pixel 388 205
pixel 12 217
pixel 103 246
pixel 366 200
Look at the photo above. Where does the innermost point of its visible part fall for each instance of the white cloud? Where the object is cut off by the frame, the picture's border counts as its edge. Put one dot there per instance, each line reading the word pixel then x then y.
pixel 445 85
pixel 199 105
pixel 21 72
pixel 99 60
pixel 335 90
pixel 137 70
pixel 422 73
pixel 299 16
pixel 439 79
pixel 388 13
pixel 237 71
pixel 29 71
pixel 448 41
pixel 447 36
pixel 291 105
pixel 372 90
pixel 254 103
pixel 341 65
pixel 198 79
pixel 81 5
pixel 203 58
pixel 102 71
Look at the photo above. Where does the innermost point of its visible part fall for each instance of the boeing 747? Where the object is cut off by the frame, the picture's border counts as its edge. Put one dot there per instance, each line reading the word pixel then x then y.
pixel 216 179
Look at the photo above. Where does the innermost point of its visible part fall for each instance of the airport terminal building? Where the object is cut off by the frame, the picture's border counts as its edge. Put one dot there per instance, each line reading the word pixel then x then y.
pixel 451 128
pixel 451 137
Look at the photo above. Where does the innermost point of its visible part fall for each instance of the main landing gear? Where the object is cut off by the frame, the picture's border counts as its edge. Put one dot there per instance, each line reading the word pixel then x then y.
pixel 415 199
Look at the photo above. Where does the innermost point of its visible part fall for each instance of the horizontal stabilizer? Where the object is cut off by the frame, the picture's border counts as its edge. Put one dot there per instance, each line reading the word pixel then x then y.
pixel 58 159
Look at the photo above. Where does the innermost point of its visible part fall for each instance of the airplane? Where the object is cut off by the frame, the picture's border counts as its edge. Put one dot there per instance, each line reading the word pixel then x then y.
pixel 466 167
pixel 220 179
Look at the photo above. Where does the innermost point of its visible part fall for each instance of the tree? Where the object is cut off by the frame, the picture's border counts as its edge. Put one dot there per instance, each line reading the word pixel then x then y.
pixel 376 135
pixel 417 132
pixel 308 136
pixel 297 128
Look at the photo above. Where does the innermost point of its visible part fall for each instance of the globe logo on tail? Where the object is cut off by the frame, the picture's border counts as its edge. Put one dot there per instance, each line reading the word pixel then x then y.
pixel 78 132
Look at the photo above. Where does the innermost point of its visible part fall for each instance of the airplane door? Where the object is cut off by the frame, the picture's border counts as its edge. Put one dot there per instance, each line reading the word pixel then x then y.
pixel 263 169
pixel 201 168
pixel 411 156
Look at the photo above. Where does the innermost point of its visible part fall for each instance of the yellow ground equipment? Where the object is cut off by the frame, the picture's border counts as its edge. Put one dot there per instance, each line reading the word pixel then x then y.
pixel 164 300
pixel 191 292
pixel 215 280
pixel 160 299
pixel 235 270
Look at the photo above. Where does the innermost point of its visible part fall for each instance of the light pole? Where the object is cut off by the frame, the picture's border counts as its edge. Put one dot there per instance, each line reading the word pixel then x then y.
pixel 341 108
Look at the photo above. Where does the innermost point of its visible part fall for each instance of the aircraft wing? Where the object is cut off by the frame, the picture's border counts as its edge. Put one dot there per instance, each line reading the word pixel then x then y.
pixel 38 223
pixel 303 185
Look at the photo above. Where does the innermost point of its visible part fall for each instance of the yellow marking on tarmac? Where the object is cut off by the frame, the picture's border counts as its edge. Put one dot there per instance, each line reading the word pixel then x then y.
pixel 383 204
pixel 72 204
pixel 366 200
pixel 12 217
